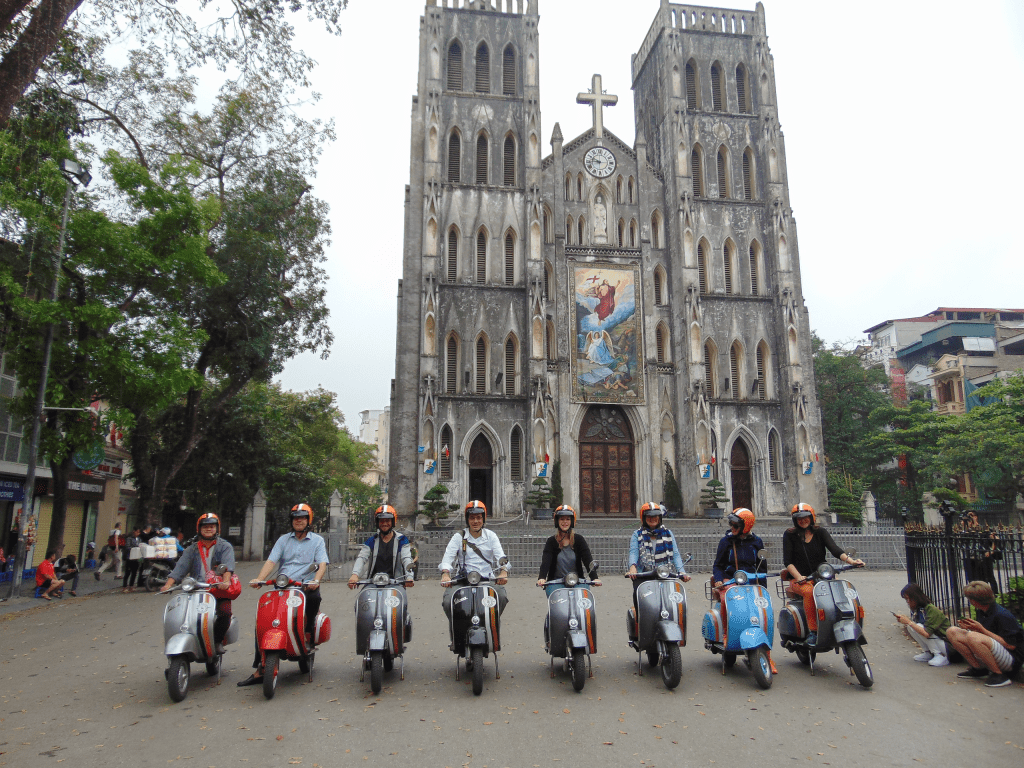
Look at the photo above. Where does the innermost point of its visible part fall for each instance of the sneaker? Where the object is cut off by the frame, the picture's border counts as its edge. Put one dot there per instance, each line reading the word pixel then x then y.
pixel 926 656
pixel 938 660
pixel 996 681
pixel 96 575
pixel 973 672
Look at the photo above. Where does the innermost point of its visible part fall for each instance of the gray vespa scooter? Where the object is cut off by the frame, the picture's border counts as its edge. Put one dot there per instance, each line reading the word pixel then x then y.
pixel 840 619
pixel 659 628
pixel 188 634
pixel 572 626
pixel 381 628
pixel 475 626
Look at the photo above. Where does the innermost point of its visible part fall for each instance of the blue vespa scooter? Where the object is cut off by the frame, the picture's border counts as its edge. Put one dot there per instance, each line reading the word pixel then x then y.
pixel 742 623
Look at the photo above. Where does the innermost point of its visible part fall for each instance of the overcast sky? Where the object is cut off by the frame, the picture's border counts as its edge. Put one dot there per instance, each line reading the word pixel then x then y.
pixel 901 123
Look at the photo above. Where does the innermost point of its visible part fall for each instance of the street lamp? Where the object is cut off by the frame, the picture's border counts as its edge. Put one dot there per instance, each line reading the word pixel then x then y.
pixel 72 172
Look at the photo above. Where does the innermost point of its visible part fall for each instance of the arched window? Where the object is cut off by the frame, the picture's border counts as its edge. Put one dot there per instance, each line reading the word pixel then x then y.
pixel 444 455
pixel 481 159
pixel 710 377
pixel 794 347
pixel 480 367
pixel 508 71
pixel 723 172
pixel 509 162
pixel 551 350
pixel 774 456
pixel 581 227
pixel 618 190
pixel 762 383
pixel 748 174
pixel 515 454
pixel 658 299
pixel 547 281
pixel 692 91
pixel 568 187
pixel 697 171
pixel 570 230
pixel 716 87
pixel 453 256
pixel 727 270
pixel 622 230
pixel 655 230
pixel 454 157
pixel 510 259
pixel 510 365
pixel 549 230
pixel 632 233
pixel 755 269
pixel 451 365
pixel 677 89
pixel 481 257
pixel 735 362
pixel 742 89
pixel 579 188
pixel 661 340
pixel 632 190
pixel 702 267
pixel 455 67
pixel 483 69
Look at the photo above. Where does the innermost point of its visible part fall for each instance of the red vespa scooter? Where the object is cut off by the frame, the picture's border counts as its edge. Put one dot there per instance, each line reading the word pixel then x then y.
pixel 281 630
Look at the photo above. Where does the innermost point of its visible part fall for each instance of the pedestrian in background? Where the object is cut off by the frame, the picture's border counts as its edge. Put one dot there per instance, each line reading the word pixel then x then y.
pixel 114 545
pixel 131 567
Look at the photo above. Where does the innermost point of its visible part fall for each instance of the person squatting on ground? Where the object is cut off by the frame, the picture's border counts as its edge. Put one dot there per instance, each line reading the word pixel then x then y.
pixel 474 549
pixel 385 552
pixel 803 550
pixel 926 625
pixel 652 545
pixel 295 552
pixel 737 550
pixel 200 561
pixel 46 578
pixel 993 644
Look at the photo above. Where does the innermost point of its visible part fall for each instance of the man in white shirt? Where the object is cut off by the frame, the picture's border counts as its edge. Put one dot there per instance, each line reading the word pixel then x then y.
pixel 474 549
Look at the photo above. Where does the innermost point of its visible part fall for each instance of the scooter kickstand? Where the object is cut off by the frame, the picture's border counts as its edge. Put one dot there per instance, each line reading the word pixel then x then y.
pixel 457 674
pixel 552 667
pixel 401 669
pixel 497 674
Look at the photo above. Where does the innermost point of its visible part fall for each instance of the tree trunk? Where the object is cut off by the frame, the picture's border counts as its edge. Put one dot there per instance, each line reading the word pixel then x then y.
pixel 58 518
pixel 22 61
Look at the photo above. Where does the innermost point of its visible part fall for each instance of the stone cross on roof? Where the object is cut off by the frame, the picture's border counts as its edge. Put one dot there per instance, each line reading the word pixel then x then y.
pixel 596 98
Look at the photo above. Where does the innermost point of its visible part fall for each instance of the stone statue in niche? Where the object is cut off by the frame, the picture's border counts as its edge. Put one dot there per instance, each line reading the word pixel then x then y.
pixel 600 220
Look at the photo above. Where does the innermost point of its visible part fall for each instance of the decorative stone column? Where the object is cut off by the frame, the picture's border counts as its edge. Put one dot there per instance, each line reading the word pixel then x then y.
pixel 255 527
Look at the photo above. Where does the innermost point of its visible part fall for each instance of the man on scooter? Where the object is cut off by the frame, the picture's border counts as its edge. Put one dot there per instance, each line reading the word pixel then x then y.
pixel 199 561
pixel 295 552
pixel 652 545
pixel 473 549
pixel 384 552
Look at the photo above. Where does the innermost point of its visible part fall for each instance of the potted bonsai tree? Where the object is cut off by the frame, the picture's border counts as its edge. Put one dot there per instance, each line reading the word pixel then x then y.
pixel 670 492
pixel 434 504
pixel 540 498
pixel 713 499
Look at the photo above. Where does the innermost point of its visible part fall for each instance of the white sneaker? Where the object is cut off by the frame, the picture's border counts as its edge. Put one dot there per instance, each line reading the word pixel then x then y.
pixel 938 660
pixel 924 656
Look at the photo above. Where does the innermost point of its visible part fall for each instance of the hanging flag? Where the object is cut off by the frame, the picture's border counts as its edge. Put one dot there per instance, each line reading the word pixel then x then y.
pixel 712 458
pixel 428 467
pixel 444 450
pixel 419 449
pixel 547 458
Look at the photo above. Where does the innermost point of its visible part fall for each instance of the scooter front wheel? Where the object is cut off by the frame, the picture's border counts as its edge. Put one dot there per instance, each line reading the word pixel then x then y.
pixel 579 670
pixel 859 664
pixel 270 670
pixel 477 657
pixel 177 678
pixel 760 666
pixel 376 671
pixel 672 669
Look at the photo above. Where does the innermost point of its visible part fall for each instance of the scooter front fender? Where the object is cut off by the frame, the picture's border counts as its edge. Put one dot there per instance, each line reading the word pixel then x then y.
pixel 847 631
pixel 753 637
pixel 578 640
pixel 377 640
pixel 274 640
pixel 477 636
pixel 669 632
pixel 183 644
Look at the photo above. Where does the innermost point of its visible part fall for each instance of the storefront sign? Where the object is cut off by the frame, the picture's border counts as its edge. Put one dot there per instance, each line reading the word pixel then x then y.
pixel 12 490
pixel 86 487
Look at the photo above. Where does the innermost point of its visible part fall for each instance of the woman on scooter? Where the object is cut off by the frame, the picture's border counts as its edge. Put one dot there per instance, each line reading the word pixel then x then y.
pixel 803 550
pixel 564 552
pixel 737 550
pixel 652 545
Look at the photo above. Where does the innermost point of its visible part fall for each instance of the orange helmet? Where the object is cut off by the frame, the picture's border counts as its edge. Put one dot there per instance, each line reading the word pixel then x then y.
pixel 385 512
pixel 651 508
pixel 744 517
pixel 475 507
pixel 303 510
pixel 804 510
pixel 206 519
pixel 565 511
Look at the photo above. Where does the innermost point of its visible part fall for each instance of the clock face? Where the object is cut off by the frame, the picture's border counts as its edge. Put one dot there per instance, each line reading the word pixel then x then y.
pixel 600 162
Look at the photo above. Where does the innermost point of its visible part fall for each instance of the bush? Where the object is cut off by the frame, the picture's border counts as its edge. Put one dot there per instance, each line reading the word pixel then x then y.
pixel 434 504
pixel 712 495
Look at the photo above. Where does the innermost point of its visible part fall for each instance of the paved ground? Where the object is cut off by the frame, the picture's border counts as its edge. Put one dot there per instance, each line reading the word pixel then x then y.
pixel 81 682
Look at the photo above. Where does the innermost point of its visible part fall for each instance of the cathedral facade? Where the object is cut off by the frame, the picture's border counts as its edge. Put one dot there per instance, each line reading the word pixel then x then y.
pixel 618 309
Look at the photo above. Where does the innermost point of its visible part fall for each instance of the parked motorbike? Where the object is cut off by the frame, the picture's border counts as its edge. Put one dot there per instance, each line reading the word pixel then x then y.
pixel 475 625
pixel 188 634
pixel 381 629
pixel 840 621
pixel 571 629
pixel 742 622
pixel 659 627
pixel 281 629
pixel 153 572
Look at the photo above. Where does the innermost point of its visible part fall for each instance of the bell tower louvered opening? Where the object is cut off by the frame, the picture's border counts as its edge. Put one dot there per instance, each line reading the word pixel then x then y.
pixel 481 258
pixel 454 158
pixel 483 69
pixel 509 162
pixel 455 67
pixel 508 71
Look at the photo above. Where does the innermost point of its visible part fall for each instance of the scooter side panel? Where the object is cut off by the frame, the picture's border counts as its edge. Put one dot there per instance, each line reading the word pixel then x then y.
pixel 287 607
pixel 825 605
pixel 322 629
pixel 712 628
pixel 792 622
pixel 231 636
pixel 655 597
pixel 567 603
pixel 387 604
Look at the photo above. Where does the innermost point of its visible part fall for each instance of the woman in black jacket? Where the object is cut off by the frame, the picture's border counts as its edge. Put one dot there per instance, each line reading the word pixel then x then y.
pixel 565 552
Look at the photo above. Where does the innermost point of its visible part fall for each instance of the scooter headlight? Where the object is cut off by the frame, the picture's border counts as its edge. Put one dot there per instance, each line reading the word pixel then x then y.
pixel 473 578
pixel 281 581
pixel 740 577
pixel 380 580
pixel 378 623
pixel 573 623
pixel 826 571
pixel 188 585
pixel 662 571
pixel 475 621
pixel 571 579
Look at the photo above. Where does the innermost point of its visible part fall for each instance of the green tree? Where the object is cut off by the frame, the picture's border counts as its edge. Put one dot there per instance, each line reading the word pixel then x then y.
pixel 844 495
pixel 908 436
pixel 671 494
pixel 435 503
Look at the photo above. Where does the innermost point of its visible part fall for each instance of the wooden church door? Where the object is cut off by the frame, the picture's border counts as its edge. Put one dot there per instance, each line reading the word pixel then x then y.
pixel 739 470
pixel 606 463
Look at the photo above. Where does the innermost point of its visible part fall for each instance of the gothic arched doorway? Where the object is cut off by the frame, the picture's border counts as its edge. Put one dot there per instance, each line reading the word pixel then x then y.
pixel 481 472
pixel 606 463
pixel 739 470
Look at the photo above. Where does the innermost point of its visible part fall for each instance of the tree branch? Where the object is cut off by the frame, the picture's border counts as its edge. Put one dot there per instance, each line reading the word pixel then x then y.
pixel 119 123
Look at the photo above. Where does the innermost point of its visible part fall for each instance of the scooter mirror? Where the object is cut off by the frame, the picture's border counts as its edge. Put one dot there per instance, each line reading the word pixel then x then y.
pixel 222 569
pixel 760 554
pixel 592 568
pixel 852 553
pixel 503 562
pixel 312 568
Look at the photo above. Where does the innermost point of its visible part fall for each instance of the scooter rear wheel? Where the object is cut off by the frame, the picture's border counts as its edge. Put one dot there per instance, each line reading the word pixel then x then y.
pixel 177 678
pixel 761 668
pixel 859 664
pixel 579 670
pixel 804 655
pixel 376 671
pixel 270 671
pixel 477 656
pixel 672 669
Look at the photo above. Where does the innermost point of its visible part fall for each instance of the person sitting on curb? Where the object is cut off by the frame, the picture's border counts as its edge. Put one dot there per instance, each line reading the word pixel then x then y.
pixel 46 578
pixel 994 644
pixel 926 626
pixel 68 570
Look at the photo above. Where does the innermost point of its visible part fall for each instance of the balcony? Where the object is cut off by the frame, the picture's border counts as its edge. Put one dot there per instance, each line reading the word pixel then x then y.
pixel 950 408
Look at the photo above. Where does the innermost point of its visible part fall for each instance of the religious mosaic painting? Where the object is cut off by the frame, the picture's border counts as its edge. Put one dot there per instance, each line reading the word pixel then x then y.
pixel 607 364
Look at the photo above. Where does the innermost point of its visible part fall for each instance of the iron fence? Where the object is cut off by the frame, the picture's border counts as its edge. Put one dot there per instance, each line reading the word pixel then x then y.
pixel 944 561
